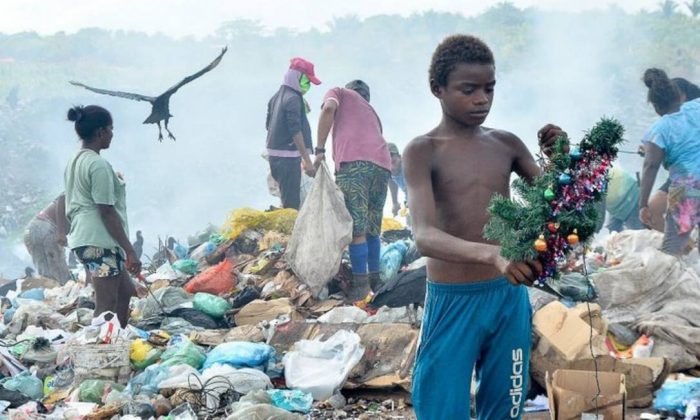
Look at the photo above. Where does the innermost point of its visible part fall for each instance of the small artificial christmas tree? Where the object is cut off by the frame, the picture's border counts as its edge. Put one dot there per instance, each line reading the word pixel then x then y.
pixel 558 210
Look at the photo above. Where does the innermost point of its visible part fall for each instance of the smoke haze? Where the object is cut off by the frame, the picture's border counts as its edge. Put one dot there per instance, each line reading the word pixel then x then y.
pixel 569 68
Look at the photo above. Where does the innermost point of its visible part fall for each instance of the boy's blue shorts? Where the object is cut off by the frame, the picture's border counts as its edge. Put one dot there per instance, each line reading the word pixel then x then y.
pixel 485 325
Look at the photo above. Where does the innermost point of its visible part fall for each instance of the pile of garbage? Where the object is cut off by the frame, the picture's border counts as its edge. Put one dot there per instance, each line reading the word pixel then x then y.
pixel 227 329
pixel 230 329
pixel 644 324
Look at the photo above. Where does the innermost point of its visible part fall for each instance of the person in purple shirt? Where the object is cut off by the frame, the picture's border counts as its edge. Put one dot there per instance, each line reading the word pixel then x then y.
pixel 362 171
pixel 288 131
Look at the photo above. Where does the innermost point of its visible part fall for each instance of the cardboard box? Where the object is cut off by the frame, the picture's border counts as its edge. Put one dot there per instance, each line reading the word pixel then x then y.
pixel 571 395
pixel 642 376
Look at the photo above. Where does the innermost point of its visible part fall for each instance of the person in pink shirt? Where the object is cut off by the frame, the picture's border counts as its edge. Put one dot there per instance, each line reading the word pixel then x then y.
pixel 362 171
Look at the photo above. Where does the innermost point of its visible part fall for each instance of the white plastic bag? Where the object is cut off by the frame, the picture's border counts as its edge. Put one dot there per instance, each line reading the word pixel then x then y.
pixel 321 367
pixel 321 232
pixel 165 272
pixel 111 330
pixel 181 376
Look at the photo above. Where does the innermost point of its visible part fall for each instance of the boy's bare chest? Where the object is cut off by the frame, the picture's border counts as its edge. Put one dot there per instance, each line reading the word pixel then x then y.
pixel 461 169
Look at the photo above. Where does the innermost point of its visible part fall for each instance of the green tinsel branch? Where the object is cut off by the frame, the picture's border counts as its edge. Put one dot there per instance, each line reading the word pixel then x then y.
pixel 516 223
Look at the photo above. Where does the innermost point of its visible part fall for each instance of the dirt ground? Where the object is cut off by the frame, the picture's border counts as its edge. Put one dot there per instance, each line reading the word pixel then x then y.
pixel 395 405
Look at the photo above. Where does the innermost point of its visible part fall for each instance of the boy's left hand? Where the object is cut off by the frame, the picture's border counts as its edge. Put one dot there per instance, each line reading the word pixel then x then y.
pixel 548 136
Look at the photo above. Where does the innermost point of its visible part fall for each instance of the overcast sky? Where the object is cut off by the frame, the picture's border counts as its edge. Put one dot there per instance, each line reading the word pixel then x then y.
pixel 201 17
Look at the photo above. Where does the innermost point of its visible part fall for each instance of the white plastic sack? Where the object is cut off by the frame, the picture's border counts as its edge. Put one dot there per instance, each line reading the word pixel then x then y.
pixel 321 232
pixel 654 293
pixel 321 367
pixel 387 315
pixel 344 314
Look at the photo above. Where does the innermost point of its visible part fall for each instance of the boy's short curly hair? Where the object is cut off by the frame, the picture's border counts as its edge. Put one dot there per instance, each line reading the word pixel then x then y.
pixel 457 49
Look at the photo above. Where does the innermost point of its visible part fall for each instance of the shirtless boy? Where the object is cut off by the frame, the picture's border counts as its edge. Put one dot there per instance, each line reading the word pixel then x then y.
pixel 477 313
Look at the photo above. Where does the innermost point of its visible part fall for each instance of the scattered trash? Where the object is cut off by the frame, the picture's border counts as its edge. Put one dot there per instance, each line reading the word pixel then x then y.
pixel 258 405
pixel 26 383
pixel 344 314
pixel 291 400
pixel 245 296
pixel 675 396
pixel 216 280
pixel 391 260
pixel 182 351
pixel 209 347
pixel 186 266
pixel 95 390
pixel 211 305
pixel 240 354
pixel 266 310
pixel 539 403
pixel 142 354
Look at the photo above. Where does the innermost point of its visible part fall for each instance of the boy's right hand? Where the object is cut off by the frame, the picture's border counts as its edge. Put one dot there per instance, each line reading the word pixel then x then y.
pixel 521 272
pixel 548 136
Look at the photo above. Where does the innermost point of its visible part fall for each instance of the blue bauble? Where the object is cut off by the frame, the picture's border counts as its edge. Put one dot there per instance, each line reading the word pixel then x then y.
pixel 576 154
pixel 565 179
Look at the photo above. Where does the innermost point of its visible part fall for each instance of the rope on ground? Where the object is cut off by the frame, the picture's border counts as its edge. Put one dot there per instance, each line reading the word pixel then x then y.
pixel 590 340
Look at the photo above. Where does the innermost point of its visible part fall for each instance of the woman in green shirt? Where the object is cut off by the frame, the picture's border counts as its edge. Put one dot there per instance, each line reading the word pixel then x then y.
pixel 96 210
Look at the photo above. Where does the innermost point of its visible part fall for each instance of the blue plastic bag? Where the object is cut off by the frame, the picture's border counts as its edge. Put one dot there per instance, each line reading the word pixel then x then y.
pixel 26 383
pixel 187 266
pixel 34 294
pixel 391 259
pixel 241 354
pixel 291 400
pixel 147 381
pixel 674 395
pixel 181 351
pixel 9 313
pixel 180 251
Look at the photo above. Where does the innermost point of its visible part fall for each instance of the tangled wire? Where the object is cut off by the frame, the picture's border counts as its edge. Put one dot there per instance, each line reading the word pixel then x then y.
pixel 212 396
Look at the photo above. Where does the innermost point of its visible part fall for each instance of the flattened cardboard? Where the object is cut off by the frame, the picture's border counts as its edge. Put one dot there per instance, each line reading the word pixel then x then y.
pixel 567 330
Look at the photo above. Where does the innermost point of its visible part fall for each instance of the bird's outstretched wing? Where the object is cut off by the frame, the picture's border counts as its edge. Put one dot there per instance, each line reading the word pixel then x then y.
pixel 126 95
pixel 190 78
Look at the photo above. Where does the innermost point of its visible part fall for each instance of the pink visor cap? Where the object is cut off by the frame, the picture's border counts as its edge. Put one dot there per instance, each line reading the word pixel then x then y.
pixel 306 67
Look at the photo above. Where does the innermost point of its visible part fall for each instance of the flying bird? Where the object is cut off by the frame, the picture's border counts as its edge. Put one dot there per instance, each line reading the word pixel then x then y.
pixel 160 104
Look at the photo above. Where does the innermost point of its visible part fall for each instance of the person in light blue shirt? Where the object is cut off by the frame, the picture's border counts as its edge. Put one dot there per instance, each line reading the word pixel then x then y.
pixel 674 141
